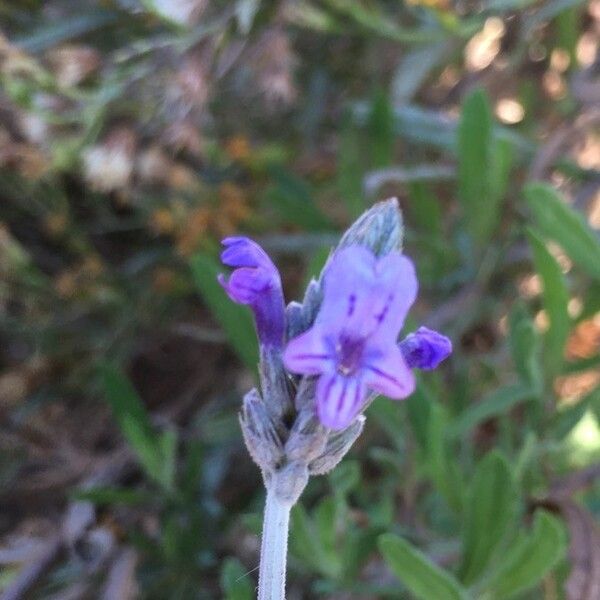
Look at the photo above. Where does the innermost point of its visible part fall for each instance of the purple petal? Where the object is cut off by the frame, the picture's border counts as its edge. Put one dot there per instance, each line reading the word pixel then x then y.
pixel 364 295
pixel 396 291
pixel 339 400
pixel 244 252
pixel 308 353
pixel 388 373
pixel 425 349
pixel 256 282
pixel 348 280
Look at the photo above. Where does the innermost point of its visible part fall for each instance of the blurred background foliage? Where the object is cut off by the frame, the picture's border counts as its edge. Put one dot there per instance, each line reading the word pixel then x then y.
pixel 134 134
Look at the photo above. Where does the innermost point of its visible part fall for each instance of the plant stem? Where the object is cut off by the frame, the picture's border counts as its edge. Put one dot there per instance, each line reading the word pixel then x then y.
pixel 273 551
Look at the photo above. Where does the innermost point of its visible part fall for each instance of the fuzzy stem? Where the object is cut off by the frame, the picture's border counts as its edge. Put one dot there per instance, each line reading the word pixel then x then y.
pixel 273 552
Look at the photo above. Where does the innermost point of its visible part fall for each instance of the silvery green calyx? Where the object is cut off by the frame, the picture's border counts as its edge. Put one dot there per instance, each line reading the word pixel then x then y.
pixel 380 229
pixel 322 361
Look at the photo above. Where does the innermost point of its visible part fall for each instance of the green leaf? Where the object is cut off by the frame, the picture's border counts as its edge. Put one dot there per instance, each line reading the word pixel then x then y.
pixel 501 163
pixel 72 25
pixel 168 448
pixel 304 542
pixel 414 68
pixel 525 347
pixel 345 477
pixel 417 572
pixel 325 515
pixel 567 418
pixel 381 129
pixel 559 222
pixel 441 464
pixel 358 546
pixel 236 582
pixel 495 404
pixel 133 421
pixel 375 21
pixel 555 300
pixel 350 169
pixel 292 197
pixel 235 320
pixel 490 510
pixel 530 557
pixel 425 209
pixel 418 406
pixel 475 138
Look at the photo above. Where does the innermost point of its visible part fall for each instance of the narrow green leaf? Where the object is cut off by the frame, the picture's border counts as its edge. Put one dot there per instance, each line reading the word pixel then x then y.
pixel 73 25
pixel 350 169
pixel 415 67
pixel 495 404
pixel 489 514
pixel 167 442
pixel 235 320
pixel 418 406
pixel 501 163
pixel 562 224
pixel 292 197
pixel 442 466
pixel 304 540
pixel 358 547
pixel 380 23
pixel 236 582
pixel 425 209
pixel 417 572
pixel 566 419
pixel 525 347
pixel 474 165
pixel 133 420
pixel 325 516
pixel 530 558
pixel 567 25
pixel 381 129
pixel 345 477
pixel 555 300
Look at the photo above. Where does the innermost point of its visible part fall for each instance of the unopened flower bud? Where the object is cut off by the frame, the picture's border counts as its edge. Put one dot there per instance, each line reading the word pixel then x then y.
pixel 425 349
pixel 337 447
pixel 380 229
pixel 261 437
pixel 275 386
pixel 307 438
pixel 294 320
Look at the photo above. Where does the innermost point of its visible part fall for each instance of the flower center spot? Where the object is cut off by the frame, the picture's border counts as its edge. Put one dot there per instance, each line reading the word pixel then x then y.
pixel 349 353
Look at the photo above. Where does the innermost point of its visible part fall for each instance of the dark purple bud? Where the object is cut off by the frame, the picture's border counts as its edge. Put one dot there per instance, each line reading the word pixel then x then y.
pixel 255 281
pixel 425 349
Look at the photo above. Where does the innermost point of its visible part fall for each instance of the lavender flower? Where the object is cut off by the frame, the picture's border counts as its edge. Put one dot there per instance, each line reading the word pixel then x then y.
pixel 352 345
pixel 344 332
pixel 255 282
pixel 425 349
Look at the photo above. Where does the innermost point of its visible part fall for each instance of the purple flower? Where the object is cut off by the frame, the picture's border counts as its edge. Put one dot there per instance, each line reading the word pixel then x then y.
pixel 256 282
pixel 352 345
pixel 425 348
